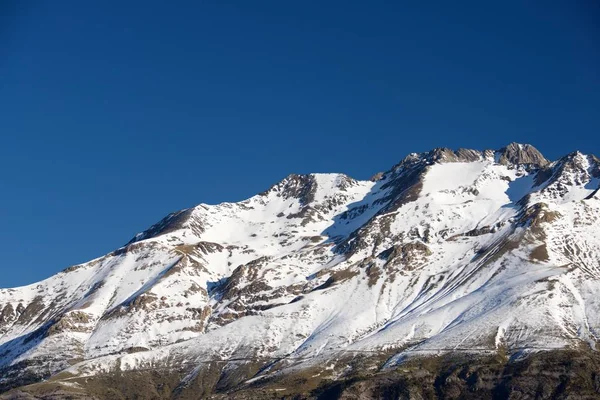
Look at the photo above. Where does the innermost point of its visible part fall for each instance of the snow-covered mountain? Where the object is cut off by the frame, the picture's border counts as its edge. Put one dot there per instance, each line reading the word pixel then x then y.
pixel 481 252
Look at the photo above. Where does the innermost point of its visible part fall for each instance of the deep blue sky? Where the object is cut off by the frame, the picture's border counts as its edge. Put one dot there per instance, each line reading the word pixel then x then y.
pixel 115 113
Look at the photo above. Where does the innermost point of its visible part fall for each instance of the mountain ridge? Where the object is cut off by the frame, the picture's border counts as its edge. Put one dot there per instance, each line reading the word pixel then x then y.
pixel 514 153
pixel 447 251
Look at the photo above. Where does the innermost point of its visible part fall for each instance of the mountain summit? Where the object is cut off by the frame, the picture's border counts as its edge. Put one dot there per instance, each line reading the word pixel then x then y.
pixel 323 279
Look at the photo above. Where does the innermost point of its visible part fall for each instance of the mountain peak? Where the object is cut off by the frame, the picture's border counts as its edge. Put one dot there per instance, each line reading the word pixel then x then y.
pixel 517 153
pixel 512 154
pixel 440 155
pixel 305 187
pixel 444 154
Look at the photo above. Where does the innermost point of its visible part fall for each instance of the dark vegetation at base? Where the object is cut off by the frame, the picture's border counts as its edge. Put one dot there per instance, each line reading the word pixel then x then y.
pixel 564 375
pixel 548 375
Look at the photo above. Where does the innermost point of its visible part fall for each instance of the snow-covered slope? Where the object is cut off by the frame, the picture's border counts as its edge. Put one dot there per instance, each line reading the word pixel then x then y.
pixel 447 251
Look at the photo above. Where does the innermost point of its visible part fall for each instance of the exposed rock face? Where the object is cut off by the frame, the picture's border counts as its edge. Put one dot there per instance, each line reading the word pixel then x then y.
pixel 448 155
pixel 170 223
pixel 333 285
pixel 409 254
pixel 301 187
pixel 516 153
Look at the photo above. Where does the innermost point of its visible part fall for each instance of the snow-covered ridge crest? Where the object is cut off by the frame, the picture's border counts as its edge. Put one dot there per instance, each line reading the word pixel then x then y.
pixel 449 250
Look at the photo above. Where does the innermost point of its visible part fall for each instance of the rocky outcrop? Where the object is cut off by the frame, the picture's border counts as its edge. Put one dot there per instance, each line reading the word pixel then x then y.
pixel 516 153
pixel 170 223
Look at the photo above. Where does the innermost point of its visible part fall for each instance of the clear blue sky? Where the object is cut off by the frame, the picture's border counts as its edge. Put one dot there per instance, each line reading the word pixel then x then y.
pixel 114 113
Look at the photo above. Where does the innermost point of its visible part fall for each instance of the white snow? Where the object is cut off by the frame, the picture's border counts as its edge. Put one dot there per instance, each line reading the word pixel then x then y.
pixel 478 289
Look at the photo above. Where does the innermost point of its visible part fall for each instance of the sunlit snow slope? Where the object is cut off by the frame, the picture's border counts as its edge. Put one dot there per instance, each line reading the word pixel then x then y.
pixel 447 251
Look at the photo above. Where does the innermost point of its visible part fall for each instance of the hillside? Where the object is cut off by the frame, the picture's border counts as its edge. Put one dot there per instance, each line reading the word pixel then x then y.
pixel 449 256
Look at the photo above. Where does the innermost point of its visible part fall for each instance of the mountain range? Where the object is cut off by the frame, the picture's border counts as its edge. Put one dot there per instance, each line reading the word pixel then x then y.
pixel 454 274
